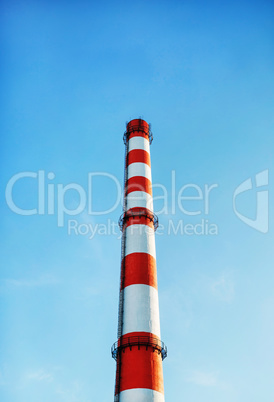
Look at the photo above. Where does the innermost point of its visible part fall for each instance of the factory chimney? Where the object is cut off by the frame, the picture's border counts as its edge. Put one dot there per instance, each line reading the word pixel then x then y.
pixel 139 350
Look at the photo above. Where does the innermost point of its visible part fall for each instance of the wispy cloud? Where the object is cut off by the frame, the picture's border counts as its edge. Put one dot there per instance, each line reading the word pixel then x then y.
pixel 51 379
pixel 73 393
pixel 39 375
pixel 223 288
pixel 2 382
pixel 181 313
pixel 44 280
pixel 206 379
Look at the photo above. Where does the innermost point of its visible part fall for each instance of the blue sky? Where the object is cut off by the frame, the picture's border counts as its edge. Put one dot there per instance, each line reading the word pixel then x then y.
pixel 72 74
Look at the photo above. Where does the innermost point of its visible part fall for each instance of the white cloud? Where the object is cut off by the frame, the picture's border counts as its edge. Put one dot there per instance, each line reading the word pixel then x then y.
pixel 202 378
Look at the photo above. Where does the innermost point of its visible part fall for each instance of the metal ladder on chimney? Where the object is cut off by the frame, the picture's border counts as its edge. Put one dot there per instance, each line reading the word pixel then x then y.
pixel 121 296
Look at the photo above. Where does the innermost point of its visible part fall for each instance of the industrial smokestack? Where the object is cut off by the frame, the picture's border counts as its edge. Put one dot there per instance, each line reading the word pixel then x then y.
pixel 139 350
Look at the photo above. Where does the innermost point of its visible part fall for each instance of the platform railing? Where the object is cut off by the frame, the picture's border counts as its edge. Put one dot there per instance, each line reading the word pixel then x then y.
pixel 142 340
pixel 141 212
